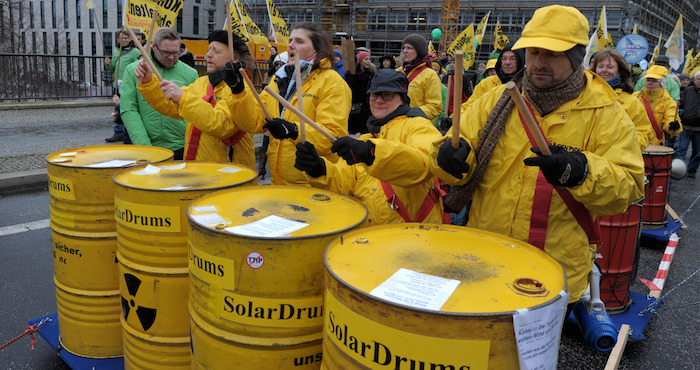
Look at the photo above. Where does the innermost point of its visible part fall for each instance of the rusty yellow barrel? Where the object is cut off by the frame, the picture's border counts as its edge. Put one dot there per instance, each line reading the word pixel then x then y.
pixel 256 274
pixel 150 204
pixel 432 296
pixel 84 242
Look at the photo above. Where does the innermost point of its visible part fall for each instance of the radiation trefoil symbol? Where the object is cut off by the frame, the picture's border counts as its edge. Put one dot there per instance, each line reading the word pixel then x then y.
pixel 146 316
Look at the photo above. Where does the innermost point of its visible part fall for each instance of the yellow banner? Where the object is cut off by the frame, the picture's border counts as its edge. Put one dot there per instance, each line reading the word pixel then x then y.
pixel 90 5
pixel 236 24
pixel 216 271
pixel 501 39
pixel 375 345
pixel 688 61
pixel 138 13
pixel 253 31
pixel 147 217
pixel 61 188
pixel 481 28
pixel 431 48
pixel 464 42
pixel 600 38
pixel 674 45
pixel 280 32
pixel 657 49
pixel 694 65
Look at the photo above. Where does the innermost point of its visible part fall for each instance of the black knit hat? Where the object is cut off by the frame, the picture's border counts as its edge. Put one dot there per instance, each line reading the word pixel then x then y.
pixel 418 42
pixel 222 36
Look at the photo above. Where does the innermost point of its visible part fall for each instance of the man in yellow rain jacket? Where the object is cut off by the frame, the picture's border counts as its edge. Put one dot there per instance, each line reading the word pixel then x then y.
pixel 595 153
pixel 660 107
pixel 388 169
pixel 211 125
pixel 508 64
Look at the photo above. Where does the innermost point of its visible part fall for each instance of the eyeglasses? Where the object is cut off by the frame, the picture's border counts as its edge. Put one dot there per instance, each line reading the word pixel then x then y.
pixel 168 53
pixel 386 96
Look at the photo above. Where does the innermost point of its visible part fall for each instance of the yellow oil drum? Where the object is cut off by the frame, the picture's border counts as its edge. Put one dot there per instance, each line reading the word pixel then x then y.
pixel 256 274
pixel 84 242
pixel 382 286
pixel 150 203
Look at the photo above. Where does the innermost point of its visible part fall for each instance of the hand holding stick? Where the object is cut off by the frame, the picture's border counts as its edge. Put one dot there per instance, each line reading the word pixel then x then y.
pixel 457 98
pixel 301 115
pixel 144 54
pixel 255 93
pixel 300 96
pixel 529 119
pixel 150 37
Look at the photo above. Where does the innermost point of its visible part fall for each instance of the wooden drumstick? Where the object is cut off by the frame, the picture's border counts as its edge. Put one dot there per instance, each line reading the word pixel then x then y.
pixel 301 115
pixel 150 38
pixel 144 54
pixel 229 26
pixel 457 97
pixel 300 96
pixel 255 93
pixel 529 119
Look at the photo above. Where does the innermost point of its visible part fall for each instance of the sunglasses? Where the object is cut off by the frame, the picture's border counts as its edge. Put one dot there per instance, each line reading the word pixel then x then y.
pixel 386 96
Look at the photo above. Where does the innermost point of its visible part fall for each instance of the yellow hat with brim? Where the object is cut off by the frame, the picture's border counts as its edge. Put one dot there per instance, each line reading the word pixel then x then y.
pixel 555 28
pixel 491 64
pixel 657 72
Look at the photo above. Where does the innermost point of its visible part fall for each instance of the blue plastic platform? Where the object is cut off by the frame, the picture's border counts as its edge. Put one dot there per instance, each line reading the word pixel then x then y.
pixel 664 233
pixel 49 331
pixel 631 315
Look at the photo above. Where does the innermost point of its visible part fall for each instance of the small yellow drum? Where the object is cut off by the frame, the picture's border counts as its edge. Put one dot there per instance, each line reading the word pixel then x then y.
pixel 431 296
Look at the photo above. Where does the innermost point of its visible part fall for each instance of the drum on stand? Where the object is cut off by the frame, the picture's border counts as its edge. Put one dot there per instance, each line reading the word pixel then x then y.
pixel 657 168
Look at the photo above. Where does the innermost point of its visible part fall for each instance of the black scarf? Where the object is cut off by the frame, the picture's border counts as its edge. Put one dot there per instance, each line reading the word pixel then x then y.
pixel 374 125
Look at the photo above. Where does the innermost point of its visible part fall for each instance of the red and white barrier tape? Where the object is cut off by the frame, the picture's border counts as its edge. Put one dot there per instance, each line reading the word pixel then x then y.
pixel 662 273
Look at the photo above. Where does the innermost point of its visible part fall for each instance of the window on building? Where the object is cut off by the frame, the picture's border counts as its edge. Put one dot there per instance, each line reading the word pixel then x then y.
pixel 80 43
pixel 210 27
pixel 77 14
pixel 68 51
pixel 119 13
pixel 211 17
pixel 44 39
pixel 55 42
pixel 93 43
pixel 179 22
pixel 31 14
pixel 53 14
pixel 213 2
pixel 107 38
pixel 195 20
pixel 91 17
pixel 43 14
pixel 65 14
pixel 105 17
pixel 34 42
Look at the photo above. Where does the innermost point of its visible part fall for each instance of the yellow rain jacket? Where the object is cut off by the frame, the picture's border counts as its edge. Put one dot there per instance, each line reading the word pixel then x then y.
pixel 327 101
pixel 664 108
pixel 402 159
pixel 216 123
pixel 503 201
pixel 639 117
pixel 480 89
pixel 425 91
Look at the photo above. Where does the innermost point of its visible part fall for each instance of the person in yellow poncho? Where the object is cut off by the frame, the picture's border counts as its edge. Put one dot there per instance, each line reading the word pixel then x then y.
pixel 660 107
pixel 424 87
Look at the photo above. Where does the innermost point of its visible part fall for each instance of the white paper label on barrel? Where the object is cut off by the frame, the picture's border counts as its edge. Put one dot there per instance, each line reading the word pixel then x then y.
pixel 210 219
pixel 180 166
pixel 538 334
pixel 229 169
pixel 175 187
pixel 111 164
pixel 415 289
pixel 148 170
pixel 270 226
pixel 205 209
pixel 69 154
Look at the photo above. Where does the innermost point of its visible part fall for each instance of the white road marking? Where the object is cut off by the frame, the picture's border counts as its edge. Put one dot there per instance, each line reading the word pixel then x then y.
pixel 27 226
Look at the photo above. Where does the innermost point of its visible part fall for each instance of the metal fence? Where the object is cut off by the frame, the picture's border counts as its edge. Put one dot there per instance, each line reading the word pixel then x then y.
pixel 26 77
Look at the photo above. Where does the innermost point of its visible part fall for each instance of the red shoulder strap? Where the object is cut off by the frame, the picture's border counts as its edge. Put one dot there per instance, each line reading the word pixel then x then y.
pixel 395 203
pixel 415 73
pixel 542 200
pixel 654 124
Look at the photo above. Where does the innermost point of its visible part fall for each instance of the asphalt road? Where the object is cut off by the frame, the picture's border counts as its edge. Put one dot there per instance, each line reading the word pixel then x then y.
pixel 26 267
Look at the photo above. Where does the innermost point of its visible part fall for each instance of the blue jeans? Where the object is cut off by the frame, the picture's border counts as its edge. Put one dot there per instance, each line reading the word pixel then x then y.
pixel 119 129
pixel 684 139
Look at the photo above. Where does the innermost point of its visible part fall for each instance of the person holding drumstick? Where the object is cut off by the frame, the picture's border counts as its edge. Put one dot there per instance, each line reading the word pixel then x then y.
pixel 659 106
pixel 388 168
pixel 595 166
pixel 612 67
pixel 326 101
pixel 212 132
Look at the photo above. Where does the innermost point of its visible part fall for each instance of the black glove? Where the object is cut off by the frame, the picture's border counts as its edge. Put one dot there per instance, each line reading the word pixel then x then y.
pixel 453 161
pixel 353 150
pixel 562 168
pixel 282 129
pixel 233 77
pixel 308 160
pixel 674 125
pixel 445 124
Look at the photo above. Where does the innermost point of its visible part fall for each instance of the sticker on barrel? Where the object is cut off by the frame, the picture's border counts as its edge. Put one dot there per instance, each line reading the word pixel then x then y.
pixel 255 260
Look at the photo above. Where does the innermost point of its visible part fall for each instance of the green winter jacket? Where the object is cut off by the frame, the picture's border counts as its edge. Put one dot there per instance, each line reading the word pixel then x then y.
pixel 129 55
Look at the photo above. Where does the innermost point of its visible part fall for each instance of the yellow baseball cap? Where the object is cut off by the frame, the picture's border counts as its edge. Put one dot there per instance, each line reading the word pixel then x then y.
pixel 555 28
pixel 657 72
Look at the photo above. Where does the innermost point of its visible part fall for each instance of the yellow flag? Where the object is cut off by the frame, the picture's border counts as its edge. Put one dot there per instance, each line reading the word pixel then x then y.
pixel 236 24
pixel 674 45
pixel 692 65
pixel 501 40
pixel 89 4
pixel 687 67
pixel 481 28
pixel 280 32
pixel 138 13
pixel 253 31
pixel 635 29
pixel 431 48
pixel 464 42
pixel 656 51
pixel 600 38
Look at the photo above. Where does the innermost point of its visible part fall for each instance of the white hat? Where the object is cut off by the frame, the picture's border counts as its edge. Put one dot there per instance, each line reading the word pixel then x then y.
pixel 282 57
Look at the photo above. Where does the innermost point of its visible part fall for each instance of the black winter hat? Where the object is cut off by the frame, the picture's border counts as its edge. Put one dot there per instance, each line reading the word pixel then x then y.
pixel 662 59
pixel 222 36
pixel 418 42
